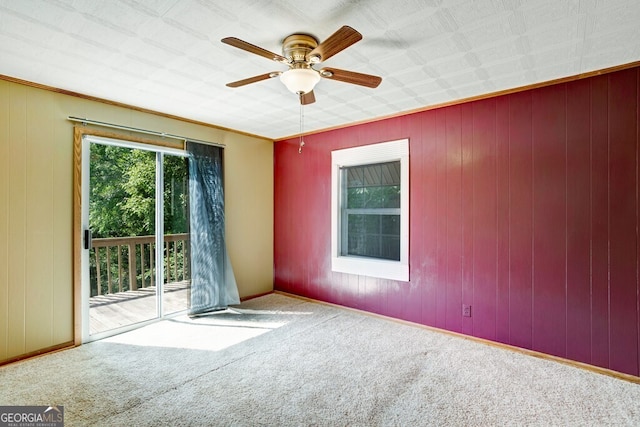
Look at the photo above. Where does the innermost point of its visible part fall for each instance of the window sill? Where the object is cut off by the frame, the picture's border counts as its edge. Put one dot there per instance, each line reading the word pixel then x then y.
pixel 382 269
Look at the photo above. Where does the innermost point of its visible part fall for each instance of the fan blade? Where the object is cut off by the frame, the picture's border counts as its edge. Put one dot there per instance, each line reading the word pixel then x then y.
pixel 241 44
pixel 253 79
pixel 337 42
pixel 351 77
pixel 307 98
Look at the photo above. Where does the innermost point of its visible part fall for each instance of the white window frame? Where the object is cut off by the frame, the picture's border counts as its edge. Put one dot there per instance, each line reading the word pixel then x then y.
pixel 357 156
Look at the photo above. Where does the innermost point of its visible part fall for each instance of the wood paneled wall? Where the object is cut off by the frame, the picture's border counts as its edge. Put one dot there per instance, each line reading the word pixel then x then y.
pixel 36 308
pixel 36 209
pixel 524 206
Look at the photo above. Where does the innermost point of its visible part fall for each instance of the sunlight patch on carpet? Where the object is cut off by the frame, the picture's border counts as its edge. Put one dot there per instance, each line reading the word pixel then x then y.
pixel 210 333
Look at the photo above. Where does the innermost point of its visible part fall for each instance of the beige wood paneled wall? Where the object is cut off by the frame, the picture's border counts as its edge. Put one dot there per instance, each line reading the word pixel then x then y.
pixel 36 209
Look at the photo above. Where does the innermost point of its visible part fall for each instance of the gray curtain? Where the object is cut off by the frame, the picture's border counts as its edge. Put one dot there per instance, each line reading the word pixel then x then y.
pixel 213 285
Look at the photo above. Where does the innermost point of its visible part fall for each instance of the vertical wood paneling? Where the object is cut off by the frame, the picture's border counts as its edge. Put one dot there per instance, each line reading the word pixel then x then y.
pixel 282 247
pixel 622 260
pixel 578 221
pixel 468 207
pixel 362 302
pixel 355 295
pixel 39 232
pixel 549 222
pixel 376 298
pixel 315 219
pixel 296 220
pixel 484 219
pixel 303 222
pixel 62 274
pixel 412 298
pixel 395 299
pixel 503 237
pixel 524 206
pixel 428 192
pixel 453 119
pixel 520 220
pixel 17 165
pixel 442 219
pixel 599 221
pixel 4 220
pixel 300 220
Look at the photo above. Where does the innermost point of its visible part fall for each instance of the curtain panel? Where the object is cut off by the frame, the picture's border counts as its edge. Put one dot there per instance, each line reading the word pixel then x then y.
pixel 213 284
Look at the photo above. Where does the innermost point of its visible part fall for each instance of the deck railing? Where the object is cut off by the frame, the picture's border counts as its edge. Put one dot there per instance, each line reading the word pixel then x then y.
pixel 121 264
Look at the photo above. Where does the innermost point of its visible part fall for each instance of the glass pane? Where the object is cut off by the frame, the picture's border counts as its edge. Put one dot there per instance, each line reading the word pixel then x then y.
pixel 376 236
pixel 177 278
pixel 122 220
pixel 390 224
pixel 373 186
pixel 390 247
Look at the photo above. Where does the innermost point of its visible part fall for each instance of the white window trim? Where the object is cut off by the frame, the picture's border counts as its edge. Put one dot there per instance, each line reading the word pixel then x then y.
pixel 363 155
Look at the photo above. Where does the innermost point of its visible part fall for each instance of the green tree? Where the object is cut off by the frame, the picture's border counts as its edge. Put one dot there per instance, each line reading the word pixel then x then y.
pixel 122 192
pixel 138 208
pixel 108 164
pixel 122 203
pixel 176 195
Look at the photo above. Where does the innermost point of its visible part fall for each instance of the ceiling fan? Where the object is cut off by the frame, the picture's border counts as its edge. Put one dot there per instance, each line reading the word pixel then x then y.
pixel 300 52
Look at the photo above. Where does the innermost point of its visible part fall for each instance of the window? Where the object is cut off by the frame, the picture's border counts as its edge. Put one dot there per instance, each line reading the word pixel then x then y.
pixel 370 210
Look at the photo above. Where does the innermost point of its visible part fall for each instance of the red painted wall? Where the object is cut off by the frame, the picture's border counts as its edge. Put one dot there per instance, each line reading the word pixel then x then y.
pixel 524 206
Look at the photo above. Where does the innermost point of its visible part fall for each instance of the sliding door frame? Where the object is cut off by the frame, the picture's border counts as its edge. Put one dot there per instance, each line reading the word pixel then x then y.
pixel 80 190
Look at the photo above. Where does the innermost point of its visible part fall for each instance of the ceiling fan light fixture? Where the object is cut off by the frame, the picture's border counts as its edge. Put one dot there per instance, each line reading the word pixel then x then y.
pixel 300 80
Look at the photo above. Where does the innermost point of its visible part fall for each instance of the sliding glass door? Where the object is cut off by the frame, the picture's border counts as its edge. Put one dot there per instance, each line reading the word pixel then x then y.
pixel 177 274
pixel 136 236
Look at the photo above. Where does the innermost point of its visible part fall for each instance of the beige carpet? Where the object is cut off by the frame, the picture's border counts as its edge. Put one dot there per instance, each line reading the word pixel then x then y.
pixel 281 361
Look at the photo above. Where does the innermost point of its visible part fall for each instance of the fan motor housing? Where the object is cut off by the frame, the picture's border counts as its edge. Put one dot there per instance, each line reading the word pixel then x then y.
pixel 296 47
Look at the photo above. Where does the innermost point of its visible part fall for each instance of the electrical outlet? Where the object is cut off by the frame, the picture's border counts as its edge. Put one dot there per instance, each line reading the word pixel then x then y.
pixel 466 310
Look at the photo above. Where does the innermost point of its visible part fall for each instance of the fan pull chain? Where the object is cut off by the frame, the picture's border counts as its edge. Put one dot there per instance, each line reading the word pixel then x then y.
pixel 301 127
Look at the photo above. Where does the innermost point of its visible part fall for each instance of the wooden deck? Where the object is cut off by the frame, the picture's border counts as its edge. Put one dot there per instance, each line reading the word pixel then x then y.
pixel 115 310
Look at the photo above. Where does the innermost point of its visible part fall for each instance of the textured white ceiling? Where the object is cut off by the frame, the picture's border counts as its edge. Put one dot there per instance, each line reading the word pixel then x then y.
pixel 166 55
